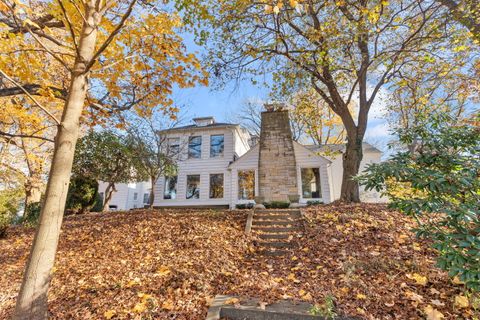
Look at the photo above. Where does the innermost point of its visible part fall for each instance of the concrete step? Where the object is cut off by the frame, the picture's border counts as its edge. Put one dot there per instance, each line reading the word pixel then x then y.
pixel 275 229
pixel 276 217
pixel 273 223
pixel 271 236
pixel 277 245
pixel 277 211
pixel 274 253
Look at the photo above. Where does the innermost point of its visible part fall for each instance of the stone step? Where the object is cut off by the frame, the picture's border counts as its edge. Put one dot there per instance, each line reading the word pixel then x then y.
pixel 275 229
pixel 276 217
pixel 271 236
pixel 277 211
pixel 273 223
pixel 277 244
pixel 274 253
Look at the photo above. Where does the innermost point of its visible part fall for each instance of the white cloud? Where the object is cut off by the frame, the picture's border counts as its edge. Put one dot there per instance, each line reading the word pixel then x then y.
pixel 378 131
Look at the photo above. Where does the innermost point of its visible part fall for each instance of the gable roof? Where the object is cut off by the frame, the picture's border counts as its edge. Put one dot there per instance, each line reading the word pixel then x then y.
pixel 367 147
pixel 322 158
pixel 256 149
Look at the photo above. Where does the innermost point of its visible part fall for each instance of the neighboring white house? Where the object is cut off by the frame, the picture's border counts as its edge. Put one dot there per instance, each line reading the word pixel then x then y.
pixel 128 195
pixel 217 167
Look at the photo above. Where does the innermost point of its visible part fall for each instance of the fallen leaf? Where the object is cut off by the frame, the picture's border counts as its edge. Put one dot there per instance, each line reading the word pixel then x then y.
pixel 433 314
pixel 139 307
pixel 361 296
pixel 461 302
pixel 109 314
pixel 163 271
pixel 168 305
pixel 232 301
pixel 419 279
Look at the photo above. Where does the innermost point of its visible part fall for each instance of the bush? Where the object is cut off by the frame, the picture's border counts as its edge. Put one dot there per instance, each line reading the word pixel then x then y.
pixel 9 205
pixel 442 175
pixel 277 204
pixel 82 194
pixel 98 205
pixel 244 205
pixel 31 214
pixel 314 203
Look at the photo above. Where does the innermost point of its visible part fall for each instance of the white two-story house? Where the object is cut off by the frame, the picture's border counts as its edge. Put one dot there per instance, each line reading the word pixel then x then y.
pixel 218 166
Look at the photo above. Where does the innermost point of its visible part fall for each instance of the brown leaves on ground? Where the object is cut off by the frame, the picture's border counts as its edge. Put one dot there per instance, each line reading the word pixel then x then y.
pixel 127 265
pixel 167 264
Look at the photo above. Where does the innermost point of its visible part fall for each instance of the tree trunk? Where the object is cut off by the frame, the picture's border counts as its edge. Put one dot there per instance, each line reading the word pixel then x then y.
pixel 32 299
pixel 152 193
pixel 108 196
pixel 351 164
pixel 33 191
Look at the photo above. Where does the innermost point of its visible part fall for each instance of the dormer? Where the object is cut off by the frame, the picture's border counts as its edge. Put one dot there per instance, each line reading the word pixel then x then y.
pixel 204 121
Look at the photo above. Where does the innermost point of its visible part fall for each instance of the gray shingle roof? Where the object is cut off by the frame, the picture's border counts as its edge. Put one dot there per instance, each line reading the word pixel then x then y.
pixel 194 126
pixel 367 147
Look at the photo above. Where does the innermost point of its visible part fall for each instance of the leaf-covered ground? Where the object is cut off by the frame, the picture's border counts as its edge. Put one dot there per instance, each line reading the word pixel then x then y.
pixel 170 265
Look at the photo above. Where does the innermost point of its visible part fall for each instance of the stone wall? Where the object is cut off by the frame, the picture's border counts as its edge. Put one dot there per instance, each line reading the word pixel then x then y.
pixel 277 174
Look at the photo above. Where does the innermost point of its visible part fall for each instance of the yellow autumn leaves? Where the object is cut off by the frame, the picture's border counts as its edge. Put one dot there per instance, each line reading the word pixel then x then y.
pixel 275 8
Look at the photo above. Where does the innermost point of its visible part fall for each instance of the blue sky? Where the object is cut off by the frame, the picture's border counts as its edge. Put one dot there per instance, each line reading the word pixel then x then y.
pixel 224 103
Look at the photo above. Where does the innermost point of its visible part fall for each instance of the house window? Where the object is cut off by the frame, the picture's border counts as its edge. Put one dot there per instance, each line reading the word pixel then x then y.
pixel 216 186
pixel 170 191
pixel 246 184
pixel 174 146
pixel 146 198
pixel 193 186
pixel 310 183
pixel 195 147
pixel 135 196
pixel 216 145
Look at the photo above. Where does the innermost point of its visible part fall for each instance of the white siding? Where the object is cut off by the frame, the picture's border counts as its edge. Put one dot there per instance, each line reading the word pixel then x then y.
pixel 304 159
pixel 337 174
pixel 249 161
pixel 124 197
pixel 307 159
pixel 203 166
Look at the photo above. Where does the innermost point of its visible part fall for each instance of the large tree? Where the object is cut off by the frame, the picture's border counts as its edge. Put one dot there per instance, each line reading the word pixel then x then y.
pixel 106 156
pixel 106 56
pixel 347 50
pixel 466 12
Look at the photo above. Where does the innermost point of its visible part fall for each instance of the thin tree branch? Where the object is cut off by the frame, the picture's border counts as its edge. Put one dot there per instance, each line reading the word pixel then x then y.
pixel 30 96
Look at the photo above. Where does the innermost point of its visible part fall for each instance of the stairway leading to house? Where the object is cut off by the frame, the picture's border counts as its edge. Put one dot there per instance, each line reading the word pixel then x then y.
pixel 278 229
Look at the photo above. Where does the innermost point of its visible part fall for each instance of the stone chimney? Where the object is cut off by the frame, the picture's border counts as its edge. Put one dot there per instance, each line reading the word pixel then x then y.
pixel 277 173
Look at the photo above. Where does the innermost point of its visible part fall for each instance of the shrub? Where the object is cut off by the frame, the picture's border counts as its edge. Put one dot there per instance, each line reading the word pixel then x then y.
pixel 31 214
pixel 98 205
pixel 244 206
pixel 311 203
pixel 82 194
pixel 442 175
pixel 9 205
pixel 276 204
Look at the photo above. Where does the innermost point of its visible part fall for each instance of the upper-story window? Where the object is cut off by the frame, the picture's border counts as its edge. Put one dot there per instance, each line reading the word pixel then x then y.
pixel 173 146
pixel 216 145
pixel 195 147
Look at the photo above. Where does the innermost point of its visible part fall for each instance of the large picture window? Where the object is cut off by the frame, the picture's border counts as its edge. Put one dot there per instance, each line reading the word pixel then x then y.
pixel 193 186
pixel 216 186
pixel 246 184
pixel 170 191
pixel 216 145
pixel 195 147
pixel 310 183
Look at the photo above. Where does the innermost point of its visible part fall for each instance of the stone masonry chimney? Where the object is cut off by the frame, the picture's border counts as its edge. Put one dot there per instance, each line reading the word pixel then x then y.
pixel 277 173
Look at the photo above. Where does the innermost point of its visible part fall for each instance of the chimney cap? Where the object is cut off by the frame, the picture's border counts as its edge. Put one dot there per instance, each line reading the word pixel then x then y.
pixel 204 121
pixel 275 106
